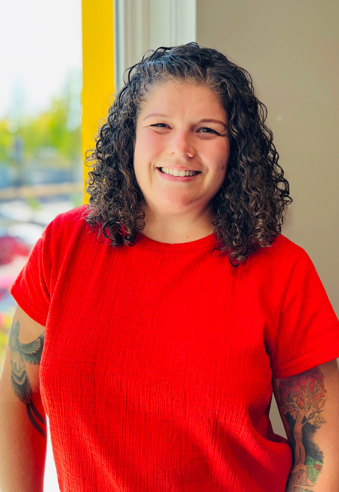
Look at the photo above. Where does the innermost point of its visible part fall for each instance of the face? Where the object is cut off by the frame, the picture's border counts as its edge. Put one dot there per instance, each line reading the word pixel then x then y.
pixel 181 149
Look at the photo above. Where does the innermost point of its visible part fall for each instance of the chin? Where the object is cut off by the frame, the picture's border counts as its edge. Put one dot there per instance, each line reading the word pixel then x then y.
pixel 175 202
pixel 178 207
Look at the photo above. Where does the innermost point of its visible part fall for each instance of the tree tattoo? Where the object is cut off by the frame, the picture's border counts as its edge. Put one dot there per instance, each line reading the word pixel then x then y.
pixel 31 353
pixel 302 400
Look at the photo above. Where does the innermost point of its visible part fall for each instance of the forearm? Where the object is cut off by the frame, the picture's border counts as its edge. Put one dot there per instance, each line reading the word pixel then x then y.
pixel 313 479
pixel 299 482
pixel 309 407
pixel 22 450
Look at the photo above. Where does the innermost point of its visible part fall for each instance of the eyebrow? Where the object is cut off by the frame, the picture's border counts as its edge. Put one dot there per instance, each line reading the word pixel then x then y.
pixel 205 120
pixel 154 114
pixel 213 121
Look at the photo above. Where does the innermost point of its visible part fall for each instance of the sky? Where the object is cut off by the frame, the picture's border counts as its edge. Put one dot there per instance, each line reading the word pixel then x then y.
pixel 40 43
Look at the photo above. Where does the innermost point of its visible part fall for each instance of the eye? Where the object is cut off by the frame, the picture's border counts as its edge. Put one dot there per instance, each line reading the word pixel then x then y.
pixel 160 125
pixel 205 129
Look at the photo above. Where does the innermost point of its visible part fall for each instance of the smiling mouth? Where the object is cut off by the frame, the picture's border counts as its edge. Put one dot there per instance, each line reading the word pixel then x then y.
pixel 176 172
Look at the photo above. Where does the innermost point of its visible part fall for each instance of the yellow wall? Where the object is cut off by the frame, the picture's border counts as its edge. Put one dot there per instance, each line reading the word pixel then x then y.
pixel 98 69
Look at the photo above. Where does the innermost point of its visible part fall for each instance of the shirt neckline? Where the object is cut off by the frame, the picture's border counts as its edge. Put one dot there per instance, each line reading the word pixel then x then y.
pixel 202 243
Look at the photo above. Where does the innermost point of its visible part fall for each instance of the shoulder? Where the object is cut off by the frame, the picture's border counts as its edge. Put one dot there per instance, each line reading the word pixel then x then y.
pixel 283 253
pixel 76 217
pixel 285 248
pixel 68 231
pixel 280 264
pixel 68 224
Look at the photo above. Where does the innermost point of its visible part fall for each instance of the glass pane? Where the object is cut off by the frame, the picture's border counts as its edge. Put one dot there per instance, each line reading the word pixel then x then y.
pixel 40 136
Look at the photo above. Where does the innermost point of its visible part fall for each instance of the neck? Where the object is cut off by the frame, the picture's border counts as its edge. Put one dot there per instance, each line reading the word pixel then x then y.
pixel 178 228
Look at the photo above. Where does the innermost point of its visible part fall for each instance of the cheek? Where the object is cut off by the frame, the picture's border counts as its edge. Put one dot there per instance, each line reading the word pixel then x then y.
pixel 146 147
pixel 218 159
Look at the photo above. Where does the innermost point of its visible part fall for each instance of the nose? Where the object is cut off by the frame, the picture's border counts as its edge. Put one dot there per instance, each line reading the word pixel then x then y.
pixel 181 145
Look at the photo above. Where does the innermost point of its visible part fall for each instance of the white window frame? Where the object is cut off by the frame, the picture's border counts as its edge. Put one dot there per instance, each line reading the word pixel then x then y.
pixel 140 25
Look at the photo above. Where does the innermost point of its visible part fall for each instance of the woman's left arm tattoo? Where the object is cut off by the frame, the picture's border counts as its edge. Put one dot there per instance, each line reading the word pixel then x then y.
pixel 301 401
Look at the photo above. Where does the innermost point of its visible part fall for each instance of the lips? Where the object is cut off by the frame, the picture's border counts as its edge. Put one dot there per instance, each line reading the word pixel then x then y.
pixel 178 171
pixel 182 177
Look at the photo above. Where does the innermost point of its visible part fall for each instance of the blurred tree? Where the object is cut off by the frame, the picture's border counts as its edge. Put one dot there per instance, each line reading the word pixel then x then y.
pixel 58 128
pixel 6 140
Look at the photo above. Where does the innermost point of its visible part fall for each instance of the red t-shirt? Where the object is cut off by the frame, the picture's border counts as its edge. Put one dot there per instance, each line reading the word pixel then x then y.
pixel 156 373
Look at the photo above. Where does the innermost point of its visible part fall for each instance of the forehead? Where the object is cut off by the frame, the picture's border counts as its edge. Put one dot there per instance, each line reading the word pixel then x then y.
pixel 183 98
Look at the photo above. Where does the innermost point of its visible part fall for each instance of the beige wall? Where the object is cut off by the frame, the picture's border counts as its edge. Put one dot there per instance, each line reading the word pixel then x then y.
pixel 291 48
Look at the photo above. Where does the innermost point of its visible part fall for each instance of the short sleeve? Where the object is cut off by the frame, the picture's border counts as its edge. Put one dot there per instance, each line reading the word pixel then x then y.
pixel 308 333
pixel 31 289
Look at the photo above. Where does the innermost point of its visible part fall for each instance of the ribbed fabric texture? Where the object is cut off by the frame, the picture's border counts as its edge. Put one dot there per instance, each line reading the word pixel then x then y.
pixel 157 368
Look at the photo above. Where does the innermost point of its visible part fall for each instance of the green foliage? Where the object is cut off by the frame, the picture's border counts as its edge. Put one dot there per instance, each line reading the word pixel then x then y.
pixel 50 129
pixel 6 140
pixel 33 203
pixel 56 129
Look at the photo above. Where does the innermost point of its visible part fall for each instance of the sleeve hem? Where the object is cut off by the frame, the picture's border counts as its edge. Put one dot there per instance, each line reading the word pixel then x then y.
pixel 28 308
pixel 310 360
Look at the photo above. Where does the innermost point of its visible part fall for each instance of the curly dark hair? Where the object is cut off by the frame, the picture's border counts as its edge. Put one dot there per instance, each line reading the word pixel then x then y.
pixel 249 207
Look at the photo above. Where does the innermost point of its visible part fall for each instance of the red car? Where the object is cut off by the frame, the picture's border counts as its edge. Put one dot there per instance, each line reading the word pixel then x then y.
pixel 11 247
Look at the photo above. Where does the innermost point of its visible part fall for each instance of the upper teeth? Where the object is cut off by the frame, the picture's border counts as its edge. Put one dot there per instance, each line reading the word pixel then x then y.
pixel 176 172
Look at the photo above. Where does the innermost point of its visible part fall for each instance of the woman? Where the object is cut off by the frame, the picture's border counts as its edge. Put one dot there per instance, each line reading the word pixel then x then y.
pixel 172 307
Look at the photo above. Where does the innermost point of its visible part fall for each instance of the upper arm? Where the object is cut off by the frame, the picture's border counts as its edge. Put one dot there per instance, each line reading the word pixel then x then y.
pixel 21 369
pixel 309 407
